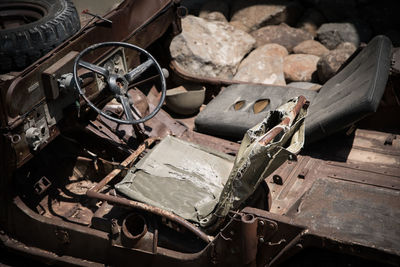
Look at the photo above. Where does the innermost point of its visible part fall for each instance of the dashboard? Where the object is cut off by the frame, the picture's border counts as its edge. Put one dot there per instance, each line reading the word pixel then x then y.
pixel 56 88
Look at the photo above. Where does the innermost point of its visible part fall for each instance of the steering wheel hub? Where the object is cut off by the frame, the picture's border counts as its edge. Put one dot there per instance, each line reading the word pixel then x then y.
pixel 117 84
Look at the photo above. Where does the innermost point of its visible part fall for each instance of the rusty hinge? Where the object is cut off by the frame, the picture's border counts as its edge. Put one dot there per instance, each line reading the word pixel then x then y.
pixel 41 185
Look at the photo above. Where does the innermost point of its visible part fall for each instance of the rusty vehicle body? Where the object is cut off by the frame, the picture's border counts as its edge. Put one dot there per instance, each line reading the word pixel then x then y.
pixel 335 203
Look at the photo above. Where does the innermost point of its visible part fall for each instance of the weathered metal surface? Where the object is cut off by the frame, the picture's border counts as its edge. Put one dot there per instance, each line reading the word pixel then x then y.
pixel 129 160
pixel 363 159
pixel 340 195
pixel 363 214
pixel 249 239
pixel 253 236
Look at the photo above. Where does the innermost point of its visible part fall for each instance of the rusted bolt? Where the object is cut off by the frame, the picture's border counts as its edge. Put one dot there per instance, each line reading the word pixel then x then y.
pixel 261 240
pixel 272 226
pixel 15 138
pixel 261 223
pixel 299 246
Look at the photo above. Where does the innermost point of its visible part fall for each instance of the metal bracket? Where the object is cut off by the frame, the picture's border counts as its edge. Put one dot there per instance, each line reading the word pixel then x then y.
pixel 41 185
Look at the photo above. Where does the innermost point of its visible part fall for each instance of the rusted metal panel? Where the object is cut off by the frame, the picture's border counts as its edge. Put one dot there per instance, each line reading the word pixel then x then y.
pixel 367 215
pixel 363 158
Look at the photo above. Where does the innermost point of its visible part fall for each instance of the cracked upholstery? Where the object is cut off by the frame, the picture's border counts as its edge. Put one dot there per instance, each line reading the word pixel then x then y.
pixel 200 184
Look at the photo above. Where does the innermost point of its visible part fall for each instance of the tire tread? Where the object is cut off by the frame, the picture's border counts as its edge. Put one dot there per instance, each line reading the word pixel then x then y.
pixel 20 48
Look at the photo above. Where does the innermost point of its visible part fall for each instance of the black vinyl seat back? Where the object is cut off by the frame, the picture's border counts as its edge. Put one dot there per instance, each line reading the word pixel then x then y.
pixel 351 94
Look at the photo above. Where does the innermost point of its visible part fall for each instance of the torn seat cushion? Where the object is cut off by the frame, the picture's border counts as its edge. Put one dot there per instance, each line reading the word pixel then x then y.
pixel 178 176
pixel 200 184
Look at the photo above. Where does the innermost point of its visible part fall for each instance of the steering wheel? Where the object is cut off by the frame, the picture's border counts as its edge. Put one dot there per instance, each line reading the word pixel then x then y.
pixel 118 83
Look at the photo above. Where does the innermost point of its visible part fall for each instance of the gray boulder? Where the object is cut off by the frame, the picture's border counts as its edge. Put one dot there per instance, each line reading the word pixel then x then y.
pixel 311 47
pixel 332 34
pixel 281 34
pixel 255 14
pixel 210 49
pixel 263 65
pixel 329 64
pixel 300 67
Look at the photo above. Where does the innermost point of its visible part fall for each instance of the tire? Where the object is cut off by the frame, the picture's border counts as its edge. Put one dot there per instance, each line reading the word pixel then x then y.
pixel 39 26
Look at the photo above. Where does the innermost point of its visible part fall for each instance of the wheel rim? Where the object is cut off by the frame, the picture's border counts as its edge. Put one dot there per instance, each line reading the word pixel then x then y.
pixel 13 15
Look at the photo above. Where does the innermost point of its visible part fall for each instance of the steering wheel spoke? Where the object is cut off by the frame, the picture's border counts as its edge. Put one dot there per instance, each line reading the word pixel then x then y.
pixel 136 72
pixel 127 107
pixel 95 68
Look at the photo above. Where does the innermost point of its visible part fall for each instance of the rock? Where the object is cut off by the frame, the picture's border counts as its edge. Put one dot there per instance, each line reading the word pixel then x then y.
pixel 311 47
pixel 347 46
pixel 310 21
pixel 329 64
pixel 215 11
pixel 281 34
pixel 332 34
pixel 263 65
pixel 300 67
pixel 239 25
pixel 210 49
pixel 255 14
pixel 305 86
